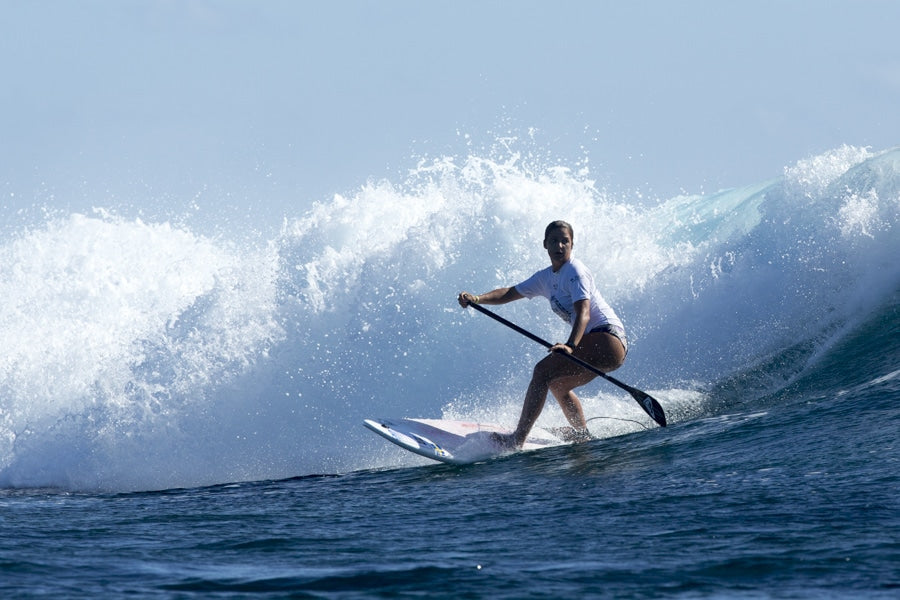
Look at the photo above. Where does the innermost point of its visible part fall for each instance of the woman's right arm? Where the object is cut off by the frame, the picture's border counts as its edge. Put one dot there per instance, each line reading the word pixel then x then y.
pixel 498 296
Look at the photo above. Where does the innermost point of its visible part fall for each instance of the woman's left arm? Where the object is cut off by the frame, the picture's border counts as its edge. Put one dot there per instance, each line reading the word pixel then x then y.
pixel 582 318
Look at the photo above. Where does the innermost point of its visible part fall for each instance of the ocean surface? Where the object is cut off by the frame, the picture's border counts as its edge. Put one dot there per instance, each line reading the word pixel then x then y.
pixel 181 402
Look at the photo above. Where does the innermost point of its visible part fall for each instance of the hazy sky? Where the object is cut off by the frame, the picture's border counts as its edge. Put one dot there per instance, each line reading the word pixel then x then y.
pixel 277 104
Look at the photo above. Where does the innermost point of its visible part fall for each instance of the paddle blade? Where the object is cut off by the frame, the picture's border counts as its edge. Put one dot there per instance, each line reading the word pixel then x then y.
pixel 650 405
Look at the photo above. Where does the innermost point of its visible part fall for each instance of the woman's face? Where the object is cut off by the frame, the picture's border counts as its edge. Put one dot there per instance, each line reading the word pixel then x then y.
pixel 559 246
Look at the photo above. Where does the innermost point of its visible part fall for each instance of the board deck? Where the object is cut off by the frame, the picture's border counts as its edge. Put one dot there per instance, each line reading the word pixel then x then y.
pixel 454 442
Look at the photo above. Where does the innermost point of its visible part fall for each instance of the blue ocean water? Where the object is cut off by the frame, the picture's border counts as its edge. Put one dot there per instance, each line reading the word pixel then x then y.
pixel 180 409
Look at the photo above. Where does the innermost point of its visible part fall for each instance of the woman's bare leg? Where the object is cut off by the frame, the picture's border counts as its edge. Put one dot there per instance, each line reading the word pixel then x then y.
pixel 561 375
pixel 546 372
pixel 568 401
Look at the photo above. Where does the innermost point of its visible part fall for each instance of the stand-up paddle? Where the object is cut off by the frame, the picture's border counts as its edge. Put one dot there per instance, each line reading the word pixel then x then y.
pixel 647 402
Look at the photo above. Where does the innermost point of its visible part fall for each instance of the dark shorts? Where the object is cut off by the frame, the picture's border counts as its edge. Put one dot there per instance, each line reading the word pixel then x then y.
pixel 612 330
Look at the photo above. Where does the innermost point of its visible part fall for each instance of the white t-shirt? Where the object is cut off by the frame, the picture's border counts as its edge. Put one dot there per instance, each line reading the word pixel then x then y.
pixel 573 282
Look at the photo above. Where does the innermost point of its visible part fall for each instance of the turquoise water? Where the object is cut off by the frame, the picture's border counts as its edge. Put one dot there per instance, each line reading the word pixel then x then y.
pixel 181 411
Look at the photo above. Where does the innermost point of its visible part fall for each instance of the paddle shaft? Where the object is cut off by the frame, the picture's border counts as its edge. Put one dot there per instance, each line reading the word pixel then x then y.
pixel 647 402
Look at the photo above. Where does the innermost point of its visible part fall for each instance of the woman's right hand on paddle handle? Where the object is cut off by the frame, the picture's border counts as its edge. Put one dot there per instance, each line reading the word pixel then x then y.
pixel 498 296
pixel 465 298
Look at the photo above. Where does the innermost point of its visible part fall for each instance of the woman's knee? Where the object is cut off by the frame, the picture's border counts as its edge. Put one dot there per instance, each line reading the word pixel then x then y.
pixel 541 373
pixel 547 370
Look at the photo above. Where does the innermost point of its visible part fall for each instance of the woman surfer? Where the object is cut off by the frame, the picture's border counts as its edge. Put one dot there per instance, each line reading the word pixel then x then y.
pixel 597 335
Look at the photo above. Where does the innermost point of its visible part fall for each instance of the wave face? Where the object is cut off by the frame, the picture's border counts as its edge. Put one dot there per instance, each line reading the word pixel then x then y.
pixel 149 356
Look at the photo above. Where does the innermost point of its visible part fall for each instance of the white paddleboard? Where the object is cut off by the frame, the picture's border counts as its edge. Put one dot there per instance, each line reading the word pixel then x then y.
pixel 454 442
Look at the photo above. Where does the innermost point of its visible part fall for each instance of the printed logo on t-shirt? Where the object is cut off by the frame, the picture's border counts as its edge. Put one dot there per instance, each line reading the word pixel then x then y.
pixel 560 310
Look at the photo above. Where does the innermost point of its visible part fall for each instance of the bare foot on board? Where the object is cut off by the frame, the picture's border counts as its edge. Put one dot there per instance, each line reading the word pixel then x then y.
pixel 570 434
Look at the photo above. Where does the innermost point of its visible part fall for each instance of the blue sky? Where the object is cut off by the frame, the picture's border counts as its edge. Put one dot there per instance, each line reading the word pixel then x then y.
pixel 274 105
